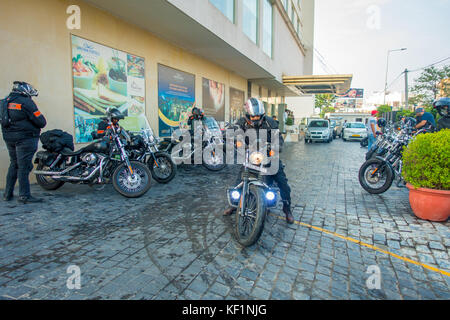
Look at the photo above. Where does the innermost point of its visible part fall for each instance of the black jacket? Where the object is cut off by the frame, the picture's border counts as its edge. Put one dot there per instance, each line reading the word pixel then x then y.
pixel 268 124
pixel 26 120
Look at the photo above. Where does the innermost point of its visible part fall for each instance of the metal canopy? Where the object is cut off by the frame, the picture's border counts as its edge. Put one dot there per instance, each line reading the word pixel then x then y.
pixel 333 84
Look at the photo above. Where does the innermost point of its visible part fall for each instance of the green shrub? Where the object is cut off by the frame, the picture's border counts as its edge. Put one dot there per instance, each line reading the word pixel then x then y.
pixel 405 113
pixel 426 161
pixel 290 122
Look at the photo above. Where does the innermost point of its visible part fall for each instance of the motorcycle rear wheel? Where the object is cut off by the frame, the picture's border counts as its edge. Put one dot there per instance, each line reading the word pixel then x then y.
pixel 249 228
pixel 46 182
pixel 379 170
pixel 132 188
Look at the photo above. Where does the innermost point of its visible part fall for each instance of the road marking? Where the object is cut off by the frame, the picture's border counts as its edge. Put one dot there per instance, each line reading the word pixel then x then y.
pixel 366 245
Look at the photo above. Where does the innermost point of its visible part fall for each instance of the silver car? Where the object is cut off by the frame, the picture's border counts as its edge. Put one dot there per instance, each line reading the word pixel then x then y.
pixel 319 130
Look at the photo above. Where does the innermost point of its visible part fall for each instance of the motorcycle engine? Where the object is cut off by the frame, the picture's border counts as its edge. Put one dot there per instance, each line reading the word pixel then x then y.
pixel 90 159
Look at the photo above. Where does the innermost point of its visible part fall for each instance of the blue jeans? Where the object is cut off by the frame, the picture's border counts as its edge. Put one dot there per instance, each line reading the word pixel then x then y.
pixel 371 140
pixel 21 156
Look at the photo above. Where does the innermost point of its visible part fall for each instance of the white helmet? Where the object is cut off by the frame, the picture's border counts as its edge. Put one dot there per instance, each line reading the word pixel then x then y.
pixel 253 108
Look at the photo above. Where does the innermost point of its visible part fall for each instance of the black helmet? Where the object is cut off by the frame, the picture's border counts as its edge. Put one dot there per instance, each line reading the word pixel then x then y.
pixel 410 122
pixel 197 113
pixel 381 122
pixel 24 89
pixel 115 114
pixel 442 106
pixel 253 108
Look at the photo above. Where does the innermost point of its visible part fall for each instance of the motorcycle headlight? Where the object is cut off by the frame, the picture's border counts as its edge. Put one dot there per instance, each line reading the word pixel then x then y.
pixel 235 195
pixel 256 158
pixel 270 195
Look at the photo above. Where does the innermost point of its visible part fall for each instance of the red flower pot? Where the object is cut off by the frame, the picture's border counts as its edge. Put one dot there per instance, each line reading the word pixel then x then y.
pixel 429 204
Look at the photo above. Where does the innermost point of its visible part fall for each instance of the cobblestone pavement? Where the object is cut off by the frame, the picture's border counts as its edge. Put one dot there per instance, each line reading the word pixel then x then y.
pixel 173 243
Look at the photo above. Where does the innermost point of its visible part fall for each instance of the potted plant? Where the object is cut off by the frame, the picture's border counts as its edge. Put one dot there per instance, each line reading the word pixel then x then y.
pixel 427 173
pixel 289 124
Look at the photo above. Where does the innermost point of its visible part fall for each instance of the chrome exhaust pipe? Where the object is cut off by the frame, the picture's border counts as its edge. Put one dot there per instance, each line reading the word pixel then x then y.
pixel 51 173
pixel 70 178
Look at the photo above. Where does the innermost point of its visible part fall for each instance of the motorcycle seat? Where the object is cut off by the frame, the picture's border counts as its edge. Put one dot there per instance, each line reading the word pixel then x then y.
pixel 69 153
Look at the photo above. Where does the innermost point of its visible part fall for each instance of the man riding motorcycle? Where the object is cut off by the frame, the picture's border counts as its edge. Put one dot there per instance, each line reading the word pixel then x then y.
pixel 255 118
pixel 442 106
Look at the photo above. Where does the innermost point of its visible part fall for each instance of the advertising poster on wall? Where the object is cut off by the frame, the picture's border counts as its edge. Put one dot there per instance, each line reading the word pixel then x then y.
pixel 176 96
pixel 236 104
pixel 105 78
pixel 214 99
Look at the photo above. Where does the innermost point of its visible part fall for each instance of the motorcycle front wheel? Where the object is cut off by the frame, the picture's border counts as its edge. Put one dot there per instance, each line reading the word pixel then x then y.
pixel 132 186
pixel 163 168
pixel 215 161
pixel 375 176
pixel 250 225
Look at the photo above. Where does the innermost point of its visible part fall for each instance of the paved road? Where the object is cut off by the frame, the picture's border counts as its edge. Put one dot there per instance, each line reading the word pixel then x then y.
pixel 173 243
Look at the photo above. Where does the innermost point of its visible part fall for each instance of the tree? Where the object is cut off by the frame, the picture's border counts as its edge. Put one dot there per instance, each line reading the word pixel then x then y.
pixel 384 109
pixel 327 110
pixel 325 100
pixel 426 87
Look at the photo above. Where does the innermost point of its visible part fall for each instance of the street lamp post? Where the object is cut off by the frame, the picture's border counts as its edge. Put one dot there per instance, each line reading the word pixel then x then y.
pixel 387 70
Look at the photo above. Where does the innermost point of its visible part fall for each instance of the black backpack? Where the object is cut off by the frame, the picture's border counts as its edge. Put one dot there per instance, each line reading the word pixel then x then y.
pixel 5 120
pixel 56 140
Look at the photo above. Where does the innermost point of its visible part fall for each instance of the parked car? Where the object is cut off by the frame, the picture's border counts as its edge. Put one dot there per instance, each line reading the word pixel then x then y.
pixel 354 131
pixel 319 130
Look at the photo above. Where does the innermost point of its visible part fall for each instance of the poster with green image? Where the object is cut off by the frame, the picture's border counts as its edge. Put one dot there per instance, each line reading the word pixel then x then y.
pixel 105 78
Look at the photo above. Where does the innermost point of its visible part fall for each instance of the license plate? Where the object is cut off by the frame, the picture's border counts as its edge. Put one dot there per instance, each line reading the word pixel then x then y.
pixel 356 136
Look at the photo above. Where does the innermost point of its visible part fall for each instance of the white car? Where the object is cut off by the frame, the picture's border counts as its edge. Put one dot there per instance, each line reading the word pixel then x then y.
pixel 354 131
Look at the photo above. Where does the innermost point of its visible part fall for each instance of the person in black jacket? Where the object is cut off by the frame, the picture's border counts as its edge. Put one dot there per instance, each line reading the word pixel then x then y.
pixel 256 118
pixel 22 137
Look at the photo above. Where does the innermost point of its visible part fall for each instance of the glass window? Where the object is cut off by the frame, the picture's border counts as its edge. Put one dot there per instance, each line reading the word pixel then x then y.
pixel 226 7
pixel 250 19
pixel 267 27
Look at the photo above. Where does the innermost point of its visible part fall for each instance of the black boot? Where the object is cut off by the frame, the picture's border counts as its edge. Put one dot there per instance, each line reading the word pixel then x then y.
pixel 29 199
pixel 7 197
pixel 287 211
pixel 229 212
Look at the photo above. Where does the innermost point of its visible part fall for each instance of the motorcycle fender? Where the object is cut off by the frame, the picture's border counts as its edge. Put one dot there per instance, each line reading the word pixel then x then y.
pixel 45 157
pixel 386 163
pixel 258 184
pixel 155 155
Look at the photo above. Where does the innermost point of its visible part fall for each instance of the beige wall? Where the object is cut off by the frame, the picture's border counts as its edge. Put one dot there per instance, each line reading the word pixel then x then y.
pixel 36 48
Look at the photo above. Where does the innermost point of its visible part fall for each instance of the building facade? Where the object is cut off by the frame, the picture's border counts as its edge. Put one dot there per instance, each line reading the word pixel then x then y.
pixel 152 59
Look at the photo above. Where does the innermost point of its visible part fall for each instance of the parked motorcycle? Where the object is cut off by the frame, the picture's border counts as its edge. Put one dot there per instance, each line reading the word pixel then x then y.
pixel 212 146
pixel 143 147
pixel 378 173
pixel 99 163
pixel 252 197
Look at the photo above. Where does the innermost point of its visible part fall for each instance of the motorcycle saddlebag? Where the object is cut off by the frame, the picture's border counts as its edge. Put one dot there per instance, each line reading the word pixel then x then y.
pixel 45 157
pixel 57 140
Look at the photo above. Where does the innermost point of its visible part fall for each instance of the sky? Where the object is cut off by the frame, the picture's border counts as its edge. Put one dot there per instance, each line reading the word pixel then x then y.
pixel 354 36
